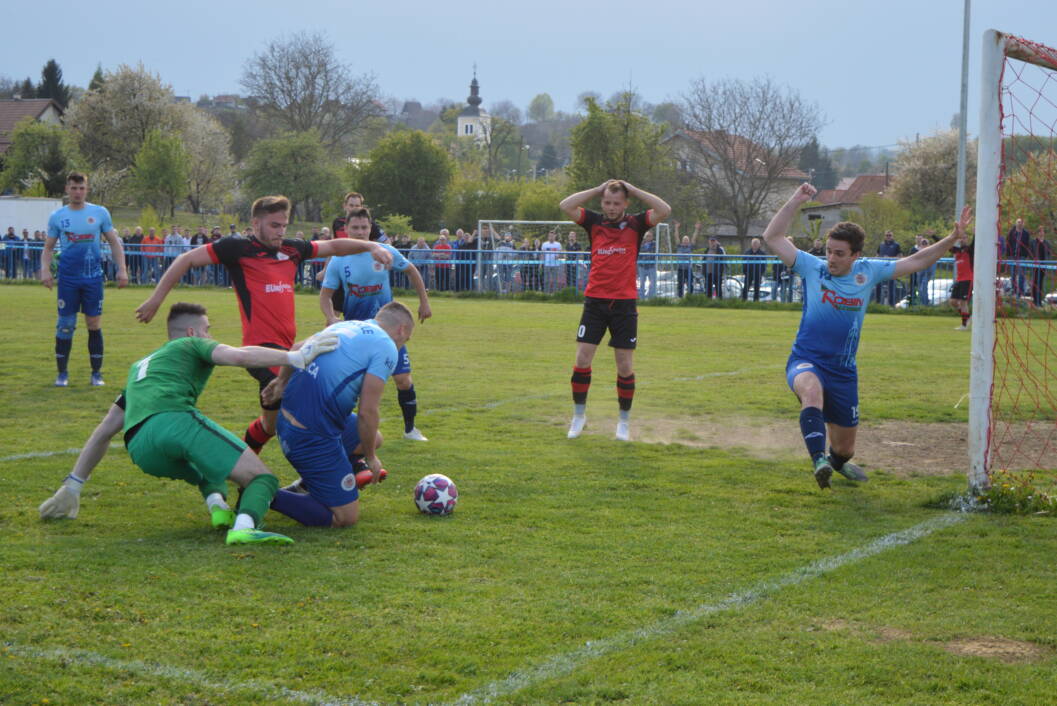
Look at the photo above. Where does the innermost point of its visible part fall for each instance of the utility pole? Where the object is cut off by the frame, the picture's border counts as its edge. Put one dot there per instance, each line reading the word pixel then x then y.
pixel 959 198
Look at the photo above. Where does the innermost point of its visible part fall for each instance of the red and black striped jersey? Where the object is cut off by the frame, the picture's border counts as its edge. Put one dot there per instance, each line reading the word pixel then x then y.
pixel 264 283
pixel 614 252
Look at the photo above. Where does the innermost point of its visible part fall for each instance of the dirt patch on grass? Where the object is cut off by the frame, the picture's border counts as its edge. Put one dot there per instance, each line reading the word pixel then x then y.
pixel 997 648
pixel 898 447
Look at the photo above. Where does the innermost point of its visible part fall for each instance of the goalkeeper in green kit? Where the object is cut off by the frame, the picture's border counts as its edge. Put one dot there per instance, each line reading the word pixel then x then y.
pixel 166 436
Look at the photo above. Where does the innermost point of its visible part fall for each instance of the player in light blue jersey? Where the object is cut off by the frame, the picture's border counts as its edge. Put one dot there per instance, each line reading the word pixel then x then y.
pixel 79 229
pixel 366 289
pixel 318 432
pixel 821 370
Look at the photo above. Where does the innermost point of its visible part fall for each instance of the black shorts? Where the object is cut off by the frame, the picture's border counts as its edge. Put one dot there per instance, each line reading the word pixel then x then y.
pixel 263 376
pixel 961 290
pixel 620 316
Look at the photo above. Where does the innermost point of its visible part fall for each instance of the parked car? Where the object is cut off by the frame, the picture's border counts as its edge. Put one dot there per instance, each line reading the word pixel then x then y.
pixel 939 292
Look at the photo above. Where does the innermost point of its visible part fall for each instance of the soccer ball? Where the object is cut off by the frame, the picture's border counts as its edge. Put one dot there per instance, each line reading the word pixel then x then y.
pixel 436 495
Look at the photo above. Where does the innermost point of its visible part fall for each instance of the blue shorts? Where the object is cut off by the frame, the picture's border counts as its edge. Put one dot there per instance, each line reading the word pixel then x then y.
pixel 80 295
pixel 840 390
pixel 403 362
pixel 322 461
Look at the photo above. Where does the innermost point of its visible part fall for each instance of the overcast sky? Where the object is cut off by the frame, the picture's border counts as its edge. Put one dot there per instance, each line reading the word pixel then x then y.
pixel 879 71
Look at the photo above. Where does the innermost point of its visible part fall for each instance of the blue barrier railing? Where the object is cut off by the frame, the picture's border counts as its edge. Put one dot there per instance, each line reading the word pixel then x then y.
pixel 668 275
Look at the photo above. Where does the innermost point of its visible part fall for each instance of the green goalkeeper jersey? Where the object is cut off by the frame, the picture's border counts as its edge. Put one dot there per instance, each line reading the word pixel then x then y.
pixel 168 380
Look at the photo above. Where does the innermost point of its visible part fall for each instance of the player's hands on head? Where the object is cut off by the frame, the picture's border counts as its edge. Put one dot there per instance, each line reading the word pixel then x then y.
pixel 64 504
pixel 146 311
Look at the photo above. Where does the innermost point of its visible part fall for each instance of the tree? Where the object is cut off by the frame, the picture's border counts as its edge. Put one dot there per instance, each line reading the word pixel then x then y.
pixel 470 200
pixel 743 136
pixel 815 162
pixel 296 165
pixel 670 113
pixel 617 142
pixel 877 214
pixel 408 173
pixel 541 108
pixel 112 123
pixel 159 174
pixel 1029 192
pixel 39 152
pixel 51 85
pixel 926 175
pixel 298 82
pixel 210 169
pixel 27 90
pixel 549 158
pixel 97 79
pixel 539 201
pixel 499 136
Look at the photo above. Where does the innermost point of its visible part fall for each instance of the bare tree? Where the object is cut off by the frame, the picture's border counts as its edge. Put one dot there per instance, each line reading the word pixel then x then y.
pixel 499 134
pixel 742 142
pixel 298 82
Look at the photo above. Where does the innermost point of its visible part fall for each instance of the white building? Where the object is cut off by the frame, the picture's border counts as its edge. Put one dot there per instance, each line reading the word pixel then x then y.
pixel 474 121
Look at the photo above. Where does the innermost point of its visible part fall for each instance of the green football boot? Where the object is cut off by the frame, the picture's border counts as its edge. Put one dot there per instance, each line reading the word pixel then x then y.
pixel 222 519
pixel 253 536
pixel 823 471
pixel 852 472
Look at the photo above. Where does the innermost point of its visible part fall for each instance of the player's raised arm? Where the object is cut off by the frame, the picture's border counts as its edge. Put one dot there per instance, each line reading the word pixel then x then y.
pixel 351 246
pixel 776 230
pixel 66 501
pixel 572 204
pixel 199 257
pixel 926 257
pixel 659 208
pixel 117 252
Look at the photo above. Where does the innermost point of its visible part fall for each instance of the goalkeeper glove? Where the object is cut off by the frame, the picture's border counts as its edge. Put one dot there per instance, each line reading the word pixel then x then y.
pixel 312 347
pixel 66 501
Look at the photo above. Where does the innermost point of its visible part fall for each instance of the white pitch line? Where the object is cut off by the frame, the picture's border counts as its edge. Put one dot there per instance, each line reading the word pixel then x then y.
pixel 46 454
pixel 180 675
pixel 563 664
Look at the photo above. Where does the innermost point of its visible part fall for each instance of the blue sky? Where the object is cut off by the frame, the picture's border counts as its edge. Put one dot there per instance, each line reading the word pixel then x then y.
pixel 879 71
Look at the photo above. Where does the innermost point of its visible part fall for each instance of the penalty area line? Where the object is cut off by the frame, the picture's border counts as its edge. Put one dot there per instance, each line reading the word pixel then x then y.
pixel 564 664
pixel 48 454
pixel 86 658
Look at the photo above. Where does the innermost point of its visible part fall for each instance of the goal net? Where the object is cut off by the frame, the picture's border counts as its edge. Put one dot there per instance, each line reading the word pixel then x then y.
pixel 1013 389
pixel 512 257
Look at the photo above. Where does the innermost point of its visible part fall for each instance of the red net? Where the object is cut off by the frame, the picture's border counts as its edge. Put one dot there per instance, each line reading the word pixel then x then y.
pixel 1023 433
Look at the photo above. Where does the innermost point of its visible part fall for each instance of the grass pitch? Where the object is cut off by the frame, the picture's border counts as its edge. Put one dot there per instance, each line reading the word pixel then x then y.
pixel 581 571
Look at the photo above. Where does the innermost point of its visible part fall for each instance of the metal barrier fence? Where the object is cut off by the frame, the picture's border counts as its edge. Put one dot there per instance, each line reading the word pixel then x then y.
pixel 513 271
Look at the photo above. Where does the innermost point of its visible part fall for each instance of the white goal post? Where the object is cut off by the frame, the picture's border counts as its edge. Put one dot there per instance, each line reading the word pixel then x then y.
pixel 997 48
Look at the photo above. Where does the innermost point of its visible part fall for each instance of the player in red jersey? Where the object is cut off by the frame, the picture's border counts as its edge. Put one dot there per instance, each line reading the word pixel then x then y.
pixel 263 270
pixel 609 299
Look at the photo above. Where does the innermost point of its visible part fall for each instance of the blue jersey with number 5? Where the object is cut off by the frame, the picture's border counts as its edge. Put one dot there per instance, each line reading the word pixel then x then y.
pixel 79 234
pixel 323 395
pixel 365 280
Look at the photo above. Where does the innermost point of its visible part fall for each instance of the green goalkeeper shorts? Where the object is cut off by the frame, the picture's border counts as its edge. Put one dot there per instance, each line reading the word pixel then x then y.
pixel 185 446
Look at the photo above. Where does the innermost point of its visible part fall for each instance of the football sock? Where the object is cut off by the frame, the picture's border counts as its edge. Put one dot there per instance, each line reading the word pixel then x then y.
pixel 836 460
pixel 244 522
pixel 257 496
pixel 813 428
pixel 95 349
pixel 581 381
pixel 256 437
pixel 303 508
pixel 579 410
pixel 625 391
pixel 62 352
pixel 965 319
pixel 625 415
pixel 216 501
pixel 408 407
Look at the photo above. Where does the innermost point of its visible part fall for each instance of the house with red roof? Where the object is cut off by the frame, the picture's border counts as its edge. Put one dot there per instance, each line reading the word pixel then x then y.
pixel 15 110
